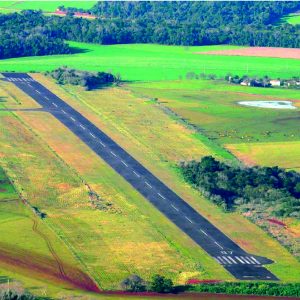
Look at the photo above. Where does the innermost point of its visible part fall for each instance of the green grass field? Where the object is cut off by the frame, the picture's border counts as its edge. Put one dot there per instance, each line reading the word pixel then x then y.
pixel 46 6
pixel 282 154
pixel 293 19
pixel 212 106
pixel 143 62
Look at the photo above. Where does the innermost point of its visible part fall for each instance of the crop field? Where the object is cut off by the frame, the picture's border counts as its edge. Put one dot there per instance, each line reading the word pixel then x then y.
pixel 46 6
pixel 124 116
pixel 144 62
pixel 282 154
pixel 212 107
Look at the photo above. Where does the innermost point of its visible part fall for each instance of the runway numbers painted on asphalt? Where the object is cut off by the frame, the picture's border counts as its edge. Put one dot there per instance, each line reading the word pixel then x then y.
pixel 229 260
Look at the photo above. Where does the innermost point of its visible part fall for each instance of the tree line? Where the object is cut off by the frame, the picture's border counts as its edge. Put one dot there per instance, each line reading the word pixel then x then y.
pixel 272 189
pixel 171 23
pixel 27 34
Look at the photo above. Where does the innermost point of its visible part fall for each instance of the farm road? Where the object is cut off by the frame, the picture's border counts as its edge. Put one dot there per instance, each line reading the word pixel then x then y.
pixel 239 263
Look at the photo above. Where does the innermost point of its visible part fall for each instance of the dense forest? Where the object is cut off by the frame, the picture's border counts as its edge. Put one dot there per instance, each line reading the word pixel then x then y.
pixel 89 80
pixel 173 23
pixel 26 34
pixel 270 189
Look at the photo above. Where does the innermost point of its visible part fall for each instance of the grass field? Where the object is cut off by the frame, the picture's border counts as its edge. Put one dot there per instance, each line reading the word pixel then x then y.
pixel 46 6
pixel 282 154
pixel 124 117
pixel 143 62
pixel 293 19
pixel 212 107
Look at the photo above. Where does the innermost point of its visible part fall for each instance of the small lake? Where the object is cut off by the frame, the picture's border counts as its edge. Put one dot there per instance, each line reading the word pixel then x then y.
pixel 269 104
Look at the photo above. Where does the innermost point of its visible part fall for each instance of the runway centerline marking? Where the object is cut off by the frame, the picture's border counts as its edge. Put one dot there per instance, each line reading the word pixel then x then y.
pixel 73 119
pixel 54 104
pixel 189 220
pixel 38 91
pixel 82 127
pixel 46 97
pixel 175 207
pixel 149 185
pixel 124 163
pixel 113 153
pixel 92 135
pixel 203 232
pixel 63 111
pixel 103 145
pixel 136 174
pixel 219 245
pixel 160 195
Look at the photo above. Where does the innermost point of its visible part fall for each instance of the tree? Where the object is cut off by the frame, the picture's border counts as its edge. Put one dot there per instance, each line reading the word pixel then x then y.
pixel 160 284
pixel 133 283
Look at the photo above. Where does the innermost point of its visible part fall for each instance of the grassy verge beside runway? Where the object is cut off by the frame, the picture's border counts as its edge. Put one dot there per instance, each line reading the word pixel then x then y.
pixel 125 117
pixel 143 62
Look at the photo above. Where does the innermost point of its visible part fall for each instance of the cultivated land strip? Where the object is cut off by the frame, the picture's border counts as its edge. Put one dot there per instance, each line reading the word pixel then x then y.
pixel 238 262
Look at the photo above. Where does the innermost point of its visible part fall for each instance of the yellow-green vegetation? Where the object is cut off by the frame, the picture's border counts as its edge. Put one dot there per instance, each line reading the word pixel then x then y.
pixel 282 154
pixel 110 237
pixel 159 141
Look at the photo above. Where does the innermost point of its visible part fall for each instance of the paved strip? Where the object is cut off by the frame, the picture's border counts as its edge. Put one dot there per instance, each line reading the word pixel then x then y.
pixel 186 218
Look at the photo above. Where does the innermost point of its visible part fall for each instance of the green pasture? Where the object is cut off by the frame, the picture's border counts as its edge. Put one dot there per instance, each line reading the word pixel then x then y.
pixel 46 6
pixel 7 191
pixel 144 62
pixel 293 19
pixel 212 106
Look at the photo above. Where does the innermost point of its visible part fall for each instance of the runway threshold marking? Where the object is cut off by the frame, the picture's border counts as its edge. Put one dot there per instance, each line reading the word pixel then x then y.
pixel 255 260
pixel 237 258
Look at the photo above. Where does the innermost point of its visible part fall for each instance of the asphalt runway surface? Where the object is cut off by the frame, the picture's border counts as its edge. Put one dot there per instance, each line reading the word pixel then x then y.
pixel 239 263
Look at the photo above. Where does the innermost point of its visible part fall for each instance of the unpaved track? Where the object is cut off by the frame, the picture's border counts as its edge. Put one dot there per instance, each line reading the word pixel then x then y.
pixel 51 249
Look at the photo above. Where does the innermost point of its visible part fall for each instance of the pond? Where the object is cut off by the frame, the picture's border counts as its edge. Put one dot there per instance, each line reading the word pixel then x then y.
pixel 269 104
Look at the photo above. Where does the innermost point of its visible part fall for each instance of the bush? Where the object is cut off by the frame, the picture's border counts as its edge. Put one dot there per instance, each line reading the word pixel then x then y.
pixel 133 283
pixel 160 284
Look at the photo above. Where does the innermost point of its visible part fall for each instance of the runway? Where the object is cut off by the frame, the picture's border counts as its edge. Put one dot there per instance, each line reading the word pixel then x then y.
pixel 239 263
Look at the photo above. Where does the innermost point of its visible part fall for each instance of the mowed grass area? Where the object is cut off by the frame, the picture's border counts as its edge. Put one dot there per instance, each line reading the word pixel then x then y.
pixel 144 62
pixel 46 6
pixel 293 19
pixel 159 142
pixel 213 107
pixel 125 235
pixel 282 154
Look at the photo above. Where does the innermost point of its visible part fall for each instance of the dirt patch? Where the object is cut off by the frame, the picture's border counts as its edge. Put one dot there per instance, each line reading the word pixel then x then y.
pixel 2 190
pixel 258 51
pixel 43 268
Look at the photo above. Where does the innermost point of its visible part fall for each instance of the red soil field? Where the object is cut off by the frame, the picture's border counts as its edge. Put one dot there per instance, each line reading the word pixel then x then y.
pixel 2 190
pixel 44 268
pixel 258 51
pixel 277 222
